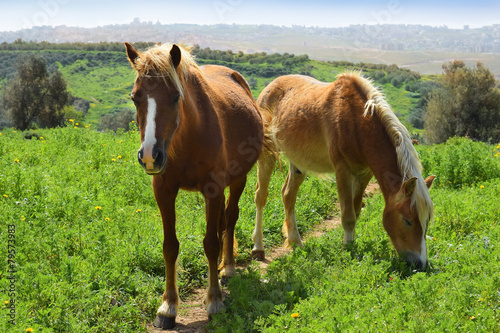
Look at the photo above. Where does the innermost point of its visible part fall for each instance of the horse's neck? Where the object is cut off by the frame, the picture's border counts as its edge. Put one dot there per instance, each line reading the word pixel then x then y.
pixel 384 165
pixel 195 114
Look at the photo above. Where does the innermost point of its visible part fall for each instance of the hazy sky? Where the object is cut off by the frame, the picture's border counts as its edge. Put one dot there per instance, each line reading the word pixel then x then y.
pixel 15 15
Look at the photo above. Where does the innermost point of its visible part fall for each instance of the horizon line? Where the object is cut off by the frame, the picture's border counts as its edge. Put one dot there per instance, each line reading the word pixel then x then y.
pixel 465 26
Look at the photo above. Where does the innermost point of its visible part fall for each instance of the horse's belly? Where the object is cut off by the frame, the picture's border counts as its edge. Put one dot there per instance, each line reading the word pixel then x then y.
pixel 308 157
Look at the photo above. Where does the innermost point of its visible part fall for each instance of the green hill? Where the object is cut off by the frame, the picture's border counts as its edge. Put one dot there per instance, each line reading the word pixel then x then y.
pixel 101 74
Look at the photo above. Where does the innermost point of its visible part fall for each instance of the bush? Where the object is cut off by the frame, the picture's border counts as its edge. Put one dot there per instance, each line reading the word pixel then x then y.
pixel 468 104
pixel 116 120
pixel 460 162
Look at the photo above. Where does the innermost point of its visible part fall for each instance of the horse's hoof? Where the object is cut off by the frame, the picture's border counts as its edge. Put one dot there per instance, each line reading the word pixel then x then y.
pixel 224 280
pixel 164 322
pixel 259 255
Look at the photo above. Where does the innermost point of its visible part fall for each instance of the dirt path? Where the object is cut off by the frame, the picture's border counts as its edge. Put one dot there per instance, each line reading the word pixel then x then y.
pixel 192 317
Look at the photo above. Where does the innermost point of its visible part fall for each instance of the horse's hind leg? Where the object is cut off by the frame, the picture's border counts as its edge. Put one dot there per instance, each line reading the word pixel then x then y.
pixel 265 166
pixel 226 267
pixel 289 194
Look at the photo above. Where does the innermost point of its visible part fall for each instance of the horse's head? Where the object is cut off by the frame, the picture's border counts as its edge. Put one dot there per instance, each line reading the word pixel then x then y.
pixel 405 219
pixel 157 97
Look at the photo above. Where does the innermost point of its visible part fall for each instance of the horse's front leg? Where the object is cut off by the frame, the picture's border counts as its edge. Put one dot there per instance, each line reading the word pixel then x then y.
pixel 165 318
pixel 211 244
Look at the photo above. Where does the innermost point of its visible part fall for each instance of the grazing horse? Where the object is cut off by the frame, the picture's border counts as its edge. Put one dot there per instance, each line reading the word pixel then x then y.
pixel 345 127
pixel 201 131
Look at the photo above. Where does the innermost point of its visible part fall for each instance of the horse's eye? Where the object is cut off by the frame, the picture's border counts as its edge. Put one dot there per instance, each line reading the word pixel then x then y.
pixel 176 99
pixel 408 222
pixel 136 102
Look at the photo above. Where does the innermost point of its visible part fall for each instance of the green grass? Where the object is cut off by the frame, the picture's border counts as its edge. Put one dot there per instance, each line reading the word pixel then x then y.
pixel 88 241
pixel 88 234
pixel 324 288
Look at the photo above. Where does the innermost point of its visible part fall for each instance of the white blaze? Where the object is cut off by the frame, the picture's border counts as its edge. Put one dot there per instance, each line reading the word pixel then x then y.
pixel 423 251
pixel 150 134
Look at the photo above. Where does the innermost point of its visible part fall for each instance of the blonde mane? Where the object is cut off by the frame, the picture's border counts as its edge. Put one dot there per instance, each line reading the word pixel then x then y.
pixel 408 162
pixel 156 61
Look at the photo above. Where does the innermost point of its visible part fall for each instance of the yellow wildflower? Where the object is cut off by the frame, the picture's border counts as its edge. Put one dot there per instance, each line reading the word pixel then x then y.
pixel 98 207
pixel 106 219
pixel 29 329
pixel 295 315
pixel 481 187
pixel 71 120
pixel 77 124
pixel 16 160
pixel 113 159
pixel 6 302
pixel 138 211
pixel 119 156
pixel 5 196
pixel 472 318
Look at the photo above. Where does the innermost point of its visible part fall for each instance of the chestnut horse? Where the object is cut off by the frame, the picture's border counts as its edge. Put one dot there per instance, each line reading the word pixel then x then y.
pixel 347 128
pixel 201 131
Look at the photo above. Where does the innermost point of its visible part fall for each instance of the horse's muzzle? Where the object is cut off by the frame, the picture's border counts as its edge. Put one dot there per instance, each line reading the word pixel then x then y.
pixel 154 164
pixel 413 260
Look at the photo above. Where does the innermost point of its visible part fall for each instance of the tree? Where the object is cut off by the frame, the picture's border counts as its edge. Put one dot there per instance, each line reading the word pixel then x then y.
pixel 34 95
pixel 56 100
pixel 466 104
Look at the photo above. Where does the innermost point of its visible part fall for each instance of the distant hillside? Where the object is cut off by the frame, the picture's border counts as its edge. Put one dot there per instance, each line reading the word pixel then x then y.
pixel 99 75
pixel 420 48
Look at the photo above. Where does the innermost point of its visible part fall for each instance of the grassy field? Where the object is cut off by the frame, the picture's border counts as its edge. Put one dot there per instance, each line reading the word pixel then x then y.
pixel 87 232
pixel 82 237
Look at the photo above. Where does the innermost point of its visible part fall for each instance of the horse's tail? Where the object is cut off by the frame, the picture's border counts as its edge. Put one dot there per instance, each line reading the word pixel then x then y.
pixel 269 147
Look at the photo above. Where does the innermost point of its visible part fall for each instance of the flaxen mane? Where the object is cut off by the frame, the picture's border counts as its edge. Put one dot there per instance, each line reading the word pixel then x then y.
pixel 156 62
pixel 408 162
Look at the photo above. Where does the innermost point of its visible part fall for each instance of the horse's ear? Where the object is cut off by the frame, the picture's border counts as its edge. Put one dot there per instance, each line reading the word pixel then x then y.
pixel 409 186
pixel 132 54
pixel 429 180
pixel 175 55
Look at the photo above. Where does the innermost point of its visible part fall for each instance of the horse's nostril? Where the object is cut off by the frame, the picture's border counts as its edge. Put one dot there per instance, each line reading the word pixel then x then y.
pixel 158 157
pixel 140 155
pixel 414 262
